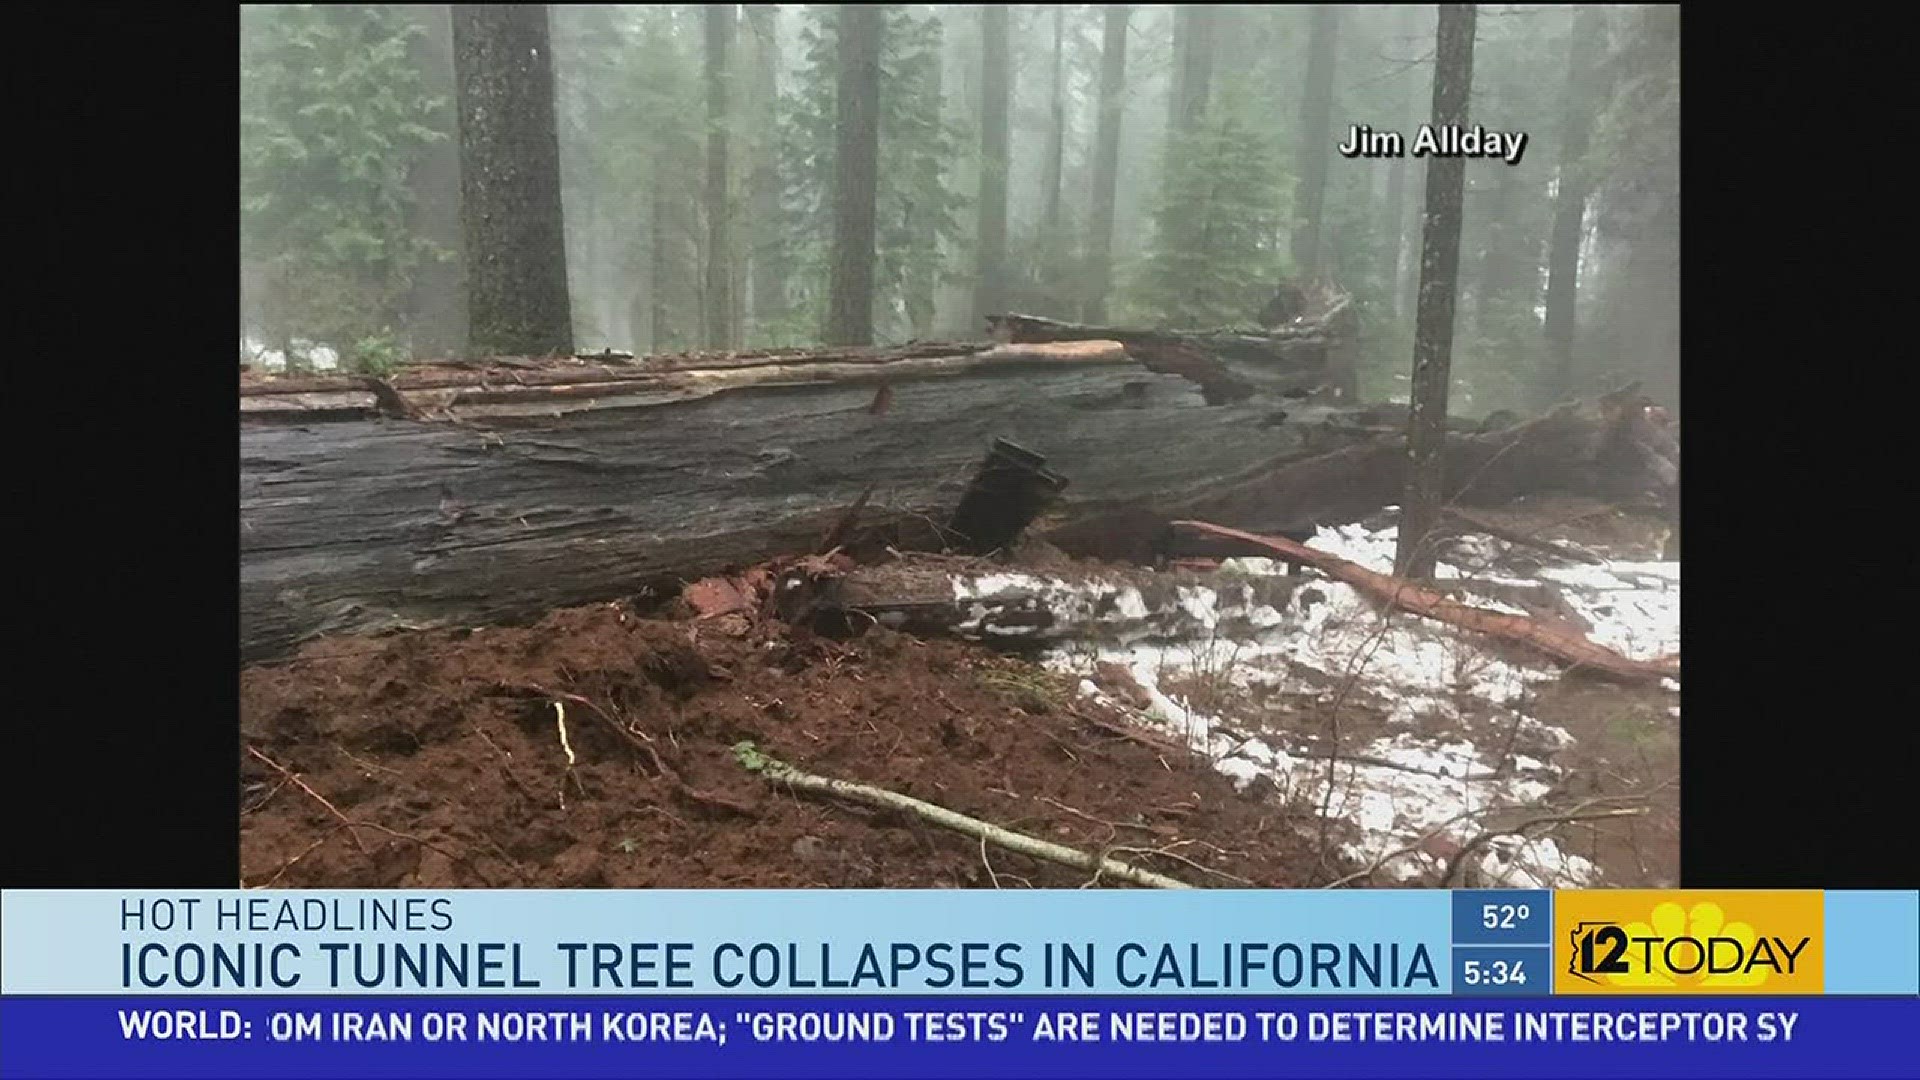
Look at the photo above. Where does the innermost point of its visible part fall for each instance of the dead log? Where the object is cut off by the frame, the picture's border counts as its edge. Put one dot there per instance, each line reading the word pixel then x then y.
pixel 1576 449
pixel 526 486
pixel 1308 356
pixel 1556 641
pixel 522 486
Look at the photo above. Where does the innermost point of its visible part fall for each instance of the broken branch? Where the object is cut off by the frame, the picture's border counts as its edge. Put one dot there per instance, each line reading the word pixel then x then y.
pixel 780 772
pixel 1554 641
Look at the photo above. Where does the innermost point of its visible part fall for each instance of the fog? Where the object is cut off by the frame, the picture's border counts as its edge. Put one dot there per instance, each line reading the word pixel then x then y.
pixel 354 251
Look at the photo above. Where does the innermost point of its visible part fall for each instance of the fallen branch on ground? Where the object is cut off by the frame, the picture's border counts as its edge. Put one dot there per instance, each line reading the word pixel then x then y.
pixel 780 772
pixel 1558 642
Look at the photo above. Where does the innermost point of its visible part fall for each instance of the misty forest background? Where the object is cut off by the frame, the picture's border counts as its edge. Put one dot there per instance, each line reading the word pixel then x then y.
pixel 1132 165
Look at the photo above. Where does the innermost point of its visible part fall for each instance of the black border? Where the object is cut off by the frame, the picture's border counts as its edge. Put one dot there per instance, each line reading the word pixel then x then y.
pixel 1797 738
pixel 122 729
pixel 1798 743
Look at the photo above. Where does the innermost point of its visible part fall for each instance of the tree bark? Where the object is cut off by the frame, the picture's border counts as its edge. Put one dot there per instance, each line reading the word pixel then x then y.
pixel 855 175
pixel 1439 286
pixel 996 77
pixel 510 181
pixel 1347 467
pixel 719 284
pixel 530 494
pixel 1570 204
pixel 1106 164
pixel 1193 65
pixel 1316 131
pixel 523 488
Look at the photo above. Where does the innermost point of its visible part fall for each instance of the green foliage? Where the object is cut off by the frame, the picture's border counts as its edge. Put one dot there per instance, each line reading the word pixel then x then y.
pixel 1501 357
pixel 916 207
pixel 1219 218
pixel 333 117
pixel 377 354
pixel 1634 152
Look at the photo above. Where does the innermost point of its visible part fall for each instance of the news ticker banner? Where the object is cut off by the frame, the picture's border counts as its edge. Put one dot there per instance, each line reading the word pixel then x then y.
pixel 953 983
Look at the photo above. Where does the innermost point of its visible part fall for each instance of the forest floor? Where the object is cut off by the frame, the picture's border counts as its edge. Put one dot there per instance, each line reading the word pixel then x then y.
pixel 597 747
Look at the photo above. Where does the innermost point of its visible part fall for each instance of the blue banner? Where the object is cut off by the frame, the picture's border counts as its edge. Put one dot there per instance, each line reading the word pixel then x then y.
pixel 851 984
pixel 298 1037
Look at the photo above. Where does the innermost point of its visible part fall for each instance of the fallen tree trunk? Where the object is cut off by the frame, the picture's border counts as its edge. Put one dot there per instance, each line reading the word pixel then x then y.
pixel 1305 357
pixel 1576 449
pixel 521 488
pixel 1558 642
pixel 491 492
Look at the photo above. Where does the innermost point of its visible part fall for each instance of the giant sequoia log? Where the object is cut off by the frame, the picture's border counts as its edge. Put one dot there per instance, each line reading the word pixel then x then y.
pixel 483 492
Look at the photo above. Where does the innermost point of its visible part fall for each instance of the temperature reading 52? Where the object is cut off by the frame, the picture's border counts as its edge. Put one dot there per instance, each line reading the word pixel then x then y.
pixel 1504 916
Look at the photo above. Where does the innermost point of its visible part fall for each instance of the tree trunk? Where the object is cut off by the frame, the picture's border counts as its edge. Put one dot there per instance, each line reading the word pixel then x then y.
pixel 1106 163
pixel 996 75
pixel 855 175
pixel 1193 65
pixel 763 184
pixel 439 321
pixel 1406 208
pixel 1439 286
pixel 1504 265
pixel 719 284
pixel 510 181
pixel 543 485
pixel 1316 137
pixel 658 270
pixel 1570 205
pixel 1056 149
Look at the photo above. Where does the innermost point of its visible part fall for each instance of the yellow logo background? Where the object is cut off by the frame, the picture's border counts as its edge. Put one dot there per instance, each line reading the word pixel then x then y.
pixel 1740 927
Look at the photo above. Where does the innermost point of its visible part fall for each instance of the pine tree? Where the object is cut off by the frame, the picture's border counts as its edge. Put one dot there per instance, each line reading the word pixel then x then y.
pixel 1316 116
pixel 1439 285
pixel 915 210
pixel 1570 203
pixel 510 181
pixel 335 118
pixel 1218 217
pixel 767 249
pixel 721 321
pixel 1106 167
pixel 996 77
pixel 856 174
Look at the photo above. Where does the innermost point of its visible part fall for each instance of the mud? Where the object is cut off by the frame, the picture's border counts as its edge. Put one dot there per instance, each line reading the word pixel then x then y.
pixel 444 750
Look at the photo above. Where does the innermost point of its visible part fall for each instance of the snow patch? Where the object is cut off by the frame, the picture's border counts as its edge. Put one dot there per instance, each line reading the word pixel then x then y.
pixel 1411 797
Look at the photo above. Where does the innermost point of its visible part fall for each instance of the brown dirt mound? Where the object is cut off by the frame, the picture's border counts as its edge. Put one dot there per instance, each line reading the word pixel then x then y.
pixel 444 750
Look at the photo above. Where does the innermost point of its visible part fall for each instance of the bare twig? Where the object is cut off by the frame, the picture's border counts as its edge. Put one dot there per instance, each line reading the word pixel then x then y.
pixel 1455 865
pixel 1167 852
pixel 288 865
pixel 368 765
pixel 317 797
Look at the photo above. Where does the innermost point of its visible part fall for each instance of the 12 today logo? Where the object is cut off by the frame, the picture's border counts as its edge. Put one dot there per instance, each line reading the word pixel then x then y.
pixel 1689 942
